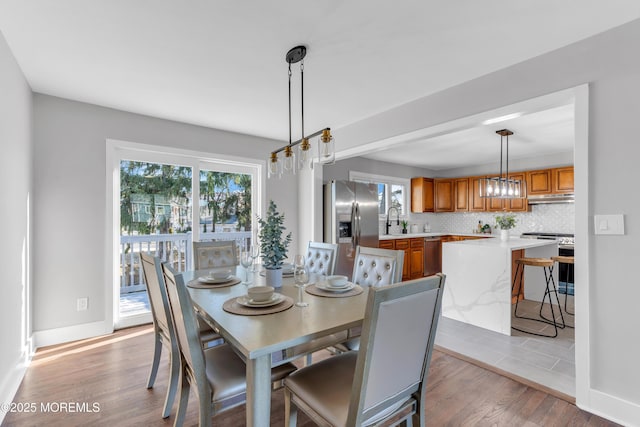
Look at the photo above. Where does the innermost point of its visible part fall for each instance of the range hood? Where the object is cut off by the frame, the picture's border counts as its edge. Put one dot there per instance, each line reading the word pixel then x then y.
pixel 550 198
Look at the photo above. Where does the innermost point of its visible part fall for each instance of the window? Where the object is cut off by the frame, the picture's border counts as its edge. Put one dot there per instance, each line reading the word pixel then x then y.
pixel 392 191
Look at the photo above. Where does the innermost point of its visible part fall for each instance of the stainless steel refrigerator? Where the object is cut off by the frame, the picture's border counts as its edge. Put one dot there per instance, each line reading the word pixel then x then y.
pixel 350 219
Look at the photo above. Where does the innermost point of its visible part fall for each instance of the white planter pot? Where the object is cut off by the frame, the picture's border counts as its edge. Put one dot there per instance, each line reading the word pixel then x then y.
pixel 504 235
pixel 274 277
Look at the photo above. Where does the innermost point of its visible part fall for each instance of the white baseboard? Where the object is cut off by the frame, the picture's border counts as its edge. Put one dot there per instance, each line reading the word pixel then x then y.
pixel 11 383
pixel 613 408
pixel 70 333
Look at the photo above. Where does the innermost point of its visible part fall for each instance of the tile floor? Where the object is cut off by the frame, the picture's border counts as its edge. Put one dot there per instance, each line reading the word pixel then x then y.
pixel 546 361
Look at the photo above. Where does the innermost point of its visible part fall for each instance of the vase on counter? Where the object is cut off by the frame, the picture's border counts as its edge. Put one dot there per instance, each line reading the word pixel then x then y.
pixel 504 235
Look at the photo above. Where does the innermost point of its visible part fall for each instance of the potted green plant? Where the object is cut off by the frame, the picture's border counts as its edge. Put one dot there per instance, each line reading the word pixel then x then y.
pixel 505 222
pixel 273 245
pixel 404 226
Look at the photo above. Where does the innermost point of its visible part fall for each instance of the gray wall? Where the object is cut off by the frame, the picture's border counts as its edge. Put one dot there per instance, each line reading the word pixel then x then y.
pixel 70 202
pixel 607 63
pixel 340 170
pixel 15 192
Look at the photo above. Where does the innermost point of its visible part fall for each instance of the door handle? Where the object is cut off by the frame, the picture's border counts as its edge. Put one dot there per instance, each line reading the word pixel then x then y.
pixel 353 225
pixel 358 223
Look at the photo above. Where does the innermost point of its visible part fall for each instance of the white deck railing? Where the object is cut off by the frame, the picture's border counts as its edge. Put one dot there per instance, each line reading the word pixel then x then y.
pixel 174 249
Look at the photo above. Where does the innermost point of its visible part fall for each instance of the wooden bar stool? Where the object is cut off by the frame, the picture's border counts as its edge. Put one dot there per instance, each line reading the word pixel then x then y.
pixel 569 260
pixel 547 266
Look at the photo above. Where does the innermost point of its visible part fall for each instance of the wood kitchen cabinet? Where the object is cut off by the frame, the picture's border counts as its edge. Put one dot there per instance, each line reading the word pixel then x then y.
pixel 444 195
pixel 422 195
pixel 517 205
pixel 476 203
pixel 413 266
pixel 404 245
pixel 550 181
pixel 539 182
pixel 515 255
pixel 562 180
pixel 416 255
pixel 461 194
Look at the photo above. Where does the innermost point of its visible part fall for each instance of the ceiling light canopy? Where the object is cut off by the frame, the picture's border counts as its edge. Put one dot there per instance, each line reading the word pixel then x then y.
pixel 326 144
pixel 501 186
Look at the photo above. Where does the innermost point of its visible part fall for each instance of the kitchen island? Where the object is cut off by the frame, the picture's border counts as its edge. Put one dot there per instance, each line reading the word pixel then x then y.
pixel 478 285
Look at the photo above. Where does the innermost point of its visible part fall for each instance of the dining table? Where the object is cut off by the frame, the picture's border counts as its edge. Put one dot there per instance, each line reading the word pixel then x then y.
pixel 267 340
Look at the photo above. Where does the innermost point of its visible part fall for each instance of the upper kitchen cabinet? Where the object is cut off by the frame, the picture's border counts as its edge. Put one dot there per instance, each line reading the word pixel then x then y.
pixel 422 195
pixel 476 203
pixel 539 182
pixel 517 205
pixel 461 194
pixel 444 195
pixel 550 181
pixel 562 180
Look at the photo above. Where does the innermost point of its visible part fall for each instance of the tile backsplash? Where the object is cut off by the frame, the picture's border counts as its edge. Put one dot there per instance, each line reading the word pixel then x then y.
pixel 553 218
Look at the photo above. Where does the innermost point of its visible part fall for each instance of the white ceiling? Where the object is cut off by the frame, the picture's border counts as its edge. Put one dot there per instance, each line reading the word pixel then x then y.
pixel 537 134
pixel 221 63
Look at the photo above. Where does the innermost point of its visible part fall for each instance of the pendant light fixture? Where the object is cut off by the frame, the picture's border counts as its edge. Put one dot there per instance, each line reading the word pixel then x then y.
pixel 503 187
pixel 326 144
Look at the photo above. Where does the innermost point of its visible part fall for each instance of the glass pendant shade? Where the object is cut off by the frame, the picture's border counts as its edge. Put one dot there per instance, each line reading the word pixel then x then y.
pixel 305 157
pixel 503 187
pixel 274 166
pixel 326 148
pixel 289 161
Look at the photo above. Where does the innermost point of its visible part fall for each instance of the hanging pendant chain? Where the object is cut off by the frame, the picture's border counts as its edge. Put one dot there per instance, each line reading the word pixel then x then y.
pixel 302 96
pixel 289 103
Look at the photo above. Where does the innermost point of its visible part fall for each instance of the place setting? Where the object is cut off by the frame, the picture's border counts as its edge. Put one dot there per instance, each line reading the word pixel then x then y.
pixel 218 278
pixel 258 300
pixel 335 286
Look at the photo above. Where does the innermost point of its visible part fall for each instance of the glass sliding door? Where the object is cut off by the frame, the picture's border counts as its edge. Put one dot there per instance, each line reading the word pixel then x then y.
pixel 155 218
pixel 163 200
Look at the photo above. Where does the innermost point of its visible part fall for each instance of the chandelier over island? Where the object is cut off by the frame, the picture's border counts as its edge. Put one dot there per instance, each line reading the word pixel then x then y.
pixel 326 144
pixel 501 186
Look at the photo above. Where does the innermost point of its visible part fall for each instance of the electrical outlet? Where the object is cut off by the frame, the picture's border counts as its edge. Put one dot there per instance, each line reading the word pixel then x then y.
pixel 82 304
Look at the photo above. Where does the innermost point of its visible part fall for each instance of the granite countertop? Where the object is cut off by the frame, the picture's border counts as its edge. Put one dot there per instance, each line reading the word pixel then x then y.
pixel 418 235
pixel 513 243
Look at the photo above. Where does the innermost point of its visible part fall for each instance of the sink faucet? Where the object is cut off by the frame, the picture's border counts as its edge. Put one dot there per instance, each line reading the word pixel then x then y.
pixel 388 223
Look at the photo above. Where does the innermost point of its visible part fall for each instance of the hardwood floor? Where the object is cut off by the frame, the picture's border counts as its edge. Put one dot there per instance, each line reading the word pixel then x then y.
pixel 104 380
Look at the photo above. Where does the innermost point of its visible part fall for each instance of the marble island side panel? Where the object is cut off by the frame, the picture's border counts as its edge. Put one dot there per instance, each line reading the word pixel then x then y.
pixel 478 284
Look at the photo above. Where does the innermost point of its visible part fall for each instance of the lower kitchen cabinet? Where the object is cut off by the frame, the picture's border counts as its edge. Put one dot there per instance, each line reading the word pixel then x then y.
pixel 413 266
pixel 515 255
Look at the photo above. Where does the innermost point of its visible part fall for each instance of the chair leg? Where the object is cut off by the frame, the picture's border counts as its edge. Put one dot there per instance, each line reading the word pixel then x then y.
pixel 157 351
pixel 174 379
pixel 290 410
pixel 183 402
pixel 308 360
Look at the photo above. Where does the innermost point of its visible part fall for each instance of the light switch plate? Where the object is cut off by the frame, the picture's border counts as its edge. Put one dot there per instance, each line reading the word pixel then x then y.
pixel 609 224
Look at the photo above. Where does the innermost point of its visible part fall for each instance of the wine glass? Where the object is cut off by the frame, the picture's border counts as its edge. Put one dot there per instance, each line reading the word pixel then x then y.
pixel 255 252
pixel 301 278
pixel 246 260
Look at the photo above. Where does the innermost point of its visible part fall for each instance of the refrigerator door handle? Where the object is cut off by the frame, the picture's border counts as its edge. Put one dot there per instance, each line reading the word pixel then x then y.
pixel 354 238
pixel 358 230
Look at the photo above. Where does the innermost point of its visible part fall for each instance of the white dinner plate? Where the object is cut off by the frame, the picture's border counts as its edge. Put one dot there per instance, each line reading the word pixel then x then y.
pixel 248 302
pixel 213 280
pixel 326 287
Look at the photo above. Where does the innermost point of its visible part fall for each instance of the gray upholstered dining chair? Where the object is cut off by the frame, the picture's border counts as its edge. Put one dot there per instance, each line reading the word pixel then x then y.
pixel 321 258
pixel 217 373
pixel 377 267
pixel 217 254
pixel 380 384
pixel 163 330
pixel 373 267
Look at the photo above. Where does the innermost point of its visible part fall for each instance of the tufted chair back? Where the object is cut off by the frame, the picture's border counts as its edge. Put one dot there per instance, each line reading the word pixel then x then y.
pixel 377 267
pixel 321 258
pixel 221 253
